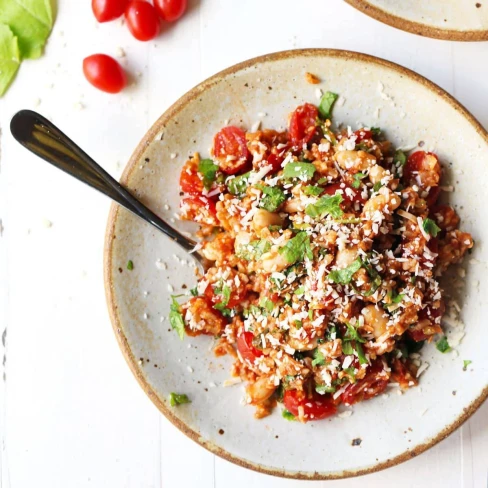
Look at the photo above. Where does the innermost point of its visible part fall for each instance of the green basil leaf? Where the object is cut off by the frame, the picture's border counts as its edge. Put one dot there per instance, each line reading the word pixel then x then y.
pixel 322 389
pixel 176 318
pixel 176 399
pixel 326 103
pixel 357 180
pixel 361 355
pixel 254 250
pixel 344 276
pixel 303 171
pixel 442 345
pixel 297 248
pixel 319 359
pixel 327 205
pixel 430 227
pixel 272 199
pixel 400 158
pixel 238 185
pixel 287 415
pixel 209 171
pixel 313 191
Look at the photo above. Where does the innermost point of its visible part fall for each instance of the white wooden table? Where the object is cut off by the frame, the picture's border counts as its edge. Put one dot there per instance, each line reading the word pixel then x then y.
pixel 72 414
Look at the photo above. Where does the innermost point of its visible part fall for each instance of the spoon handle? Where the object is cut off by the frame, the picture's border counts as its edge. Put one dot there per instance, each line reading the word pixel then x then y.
pixel 45 140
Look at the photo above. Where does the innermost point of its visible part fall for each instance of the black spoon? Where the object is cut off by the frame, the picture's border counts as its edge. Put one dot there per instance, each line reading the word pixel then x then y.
pixel 45 140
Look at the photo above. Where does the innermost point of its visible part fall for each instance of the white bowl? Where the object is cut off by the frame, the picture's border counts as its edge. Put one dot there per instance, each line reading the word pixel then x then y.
pixel 394 428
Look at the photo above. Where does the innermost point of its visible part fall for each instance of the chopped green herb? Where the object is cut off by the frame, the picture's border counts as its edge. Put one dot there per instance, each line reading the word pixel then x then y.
pixel 254 250
pixel 331 333
pixel 325 389
pixel 319 359
pixel 326 103
pixel 298 324
pixel 226 312
pixel 274 228
pixel 430 227
pixel 310 314
pixel 287 415
pixel 362 147
pixel 351 373
pixel 466 363
pixel 400 158
pixel 322 180
pixel 238 185
pixel 347 348
pixel 194 291
pixel 297 248
pixel 357 179
pixel 376 131
pixel 176 318
pixel 303 171
pixel 267 304
pixel 442 345
pixel 299 291
pixel 377 186
pixel 130 265
pixel 344 276
pixel 272 199
pixel 327 205
pixel 313 191
pixel 352 334
pixel 209 171
pixel 178 399
pixel 361 355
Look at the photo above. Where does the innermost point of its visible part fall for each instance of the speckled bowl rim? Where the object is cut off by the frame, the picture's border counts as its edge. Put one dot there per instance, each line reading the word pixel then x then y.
pixel 109 239
pixel 416 27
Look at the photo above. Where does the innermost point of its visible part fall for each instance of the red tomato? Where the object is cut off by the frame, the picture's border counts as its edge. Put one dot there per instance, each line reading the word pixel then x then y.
pixel 423 166
pixel 370 386
pixel 246 349
pixel 303 124
pixel 433 196
pixel 106 10
pixel 170 10
pixel 230 148
pixel 104 73
pixel 142 20
pixel 275 162
pixel 190 181
pixel 315 408
pixel 347 197
pixel 199 209
pixel 363 134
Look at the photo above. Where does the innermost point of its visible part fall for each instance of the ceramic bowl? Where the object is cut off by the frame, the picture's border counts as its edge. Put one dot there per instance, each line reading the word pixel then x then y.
pixel 452 20
pixel 392 428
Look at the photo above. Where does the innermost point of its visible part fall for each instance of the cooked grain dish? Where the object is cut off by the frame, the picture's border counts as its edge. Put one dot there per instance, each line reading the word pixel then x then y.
pixel 325 248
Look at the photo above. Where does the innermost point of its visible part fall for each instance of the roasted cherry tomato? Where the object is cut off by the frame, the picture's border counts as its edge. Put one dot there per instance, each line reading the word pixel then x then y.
pixel 349 194
pixel 106 10
pixel 422 169
pixel 433 196
pixel 104 73
pixel 190 181
pixel 245 347
pixel 371 385
pixel 315 408
pixel 142 20
pixel 230 148
pixel 199 209
pixel 170 10
pixel 363 134
pixel 303 124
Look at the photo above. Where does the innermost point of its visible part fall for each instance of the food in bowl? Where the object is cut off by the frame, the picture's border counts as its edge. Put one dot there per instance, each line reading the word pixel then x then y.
pixel 326 246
